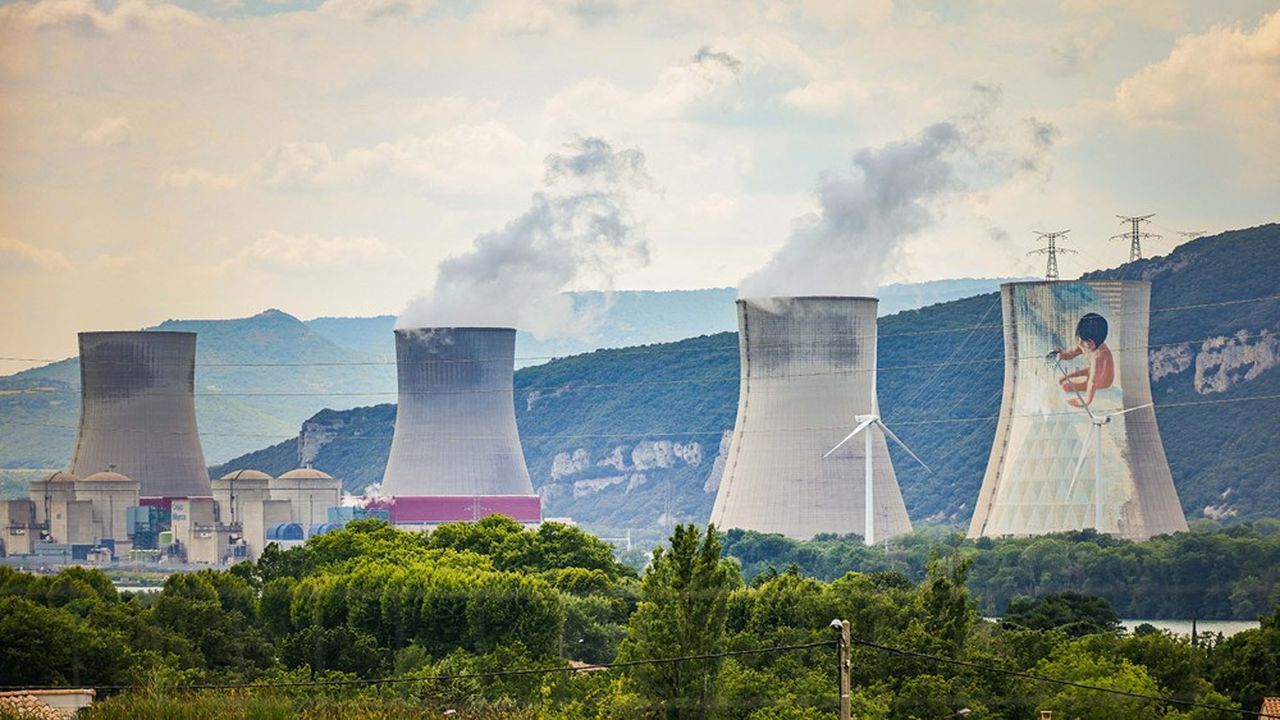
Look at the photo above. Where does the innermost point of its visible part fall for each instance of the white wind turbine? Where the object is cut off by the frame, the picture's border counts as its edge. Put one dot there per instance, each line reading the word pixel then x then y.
pixel 865 422
pixel 1095 433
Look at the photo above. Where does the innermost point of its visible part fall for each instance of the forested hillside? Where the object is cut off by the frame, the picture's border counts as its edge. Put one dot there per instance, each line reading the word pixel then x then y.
pixel 258 378
pixel 614 437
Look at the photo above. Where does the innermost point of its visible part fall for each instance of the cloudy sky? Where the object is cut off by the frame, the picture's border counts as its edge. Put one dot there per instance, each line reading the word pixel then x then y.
pixel 215 158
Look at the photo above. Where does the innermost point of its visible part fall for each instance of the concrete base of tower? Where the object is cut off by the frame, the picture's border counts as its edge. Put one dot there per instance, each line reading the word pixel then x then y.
pixel 431 510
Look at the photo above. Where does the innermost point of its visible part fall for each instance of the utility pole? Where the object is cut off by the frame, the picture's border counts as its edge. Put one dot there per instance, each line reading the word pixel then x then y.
pixel 1135 234
pixel 1052 250
pixel 846 663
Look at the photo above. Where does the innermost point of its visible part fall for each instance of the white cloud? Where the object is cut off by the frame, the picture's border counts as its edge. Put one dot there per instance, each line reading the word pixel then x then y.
pixel 464 158
pixel 295 251
pixel 85 16
pixel 1227 79
pixel 596 104
pixel 1226 68
pixel 111 132
pixel 197 179
pixel 369 10
pixel 26 253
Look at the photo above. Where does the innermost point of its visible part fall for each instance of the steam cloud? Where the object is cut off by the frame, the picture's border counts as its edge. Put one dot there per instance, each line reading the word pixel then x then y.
pixel 578 229
pixel 892 193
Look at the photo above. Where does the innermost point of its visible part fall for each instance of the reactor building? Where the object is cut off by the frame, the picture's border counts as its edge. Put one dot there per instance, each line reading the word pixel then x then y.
pixel 807 375
pixel 1076 444
pixel 138 412
pixel 138 489
pixel 455 453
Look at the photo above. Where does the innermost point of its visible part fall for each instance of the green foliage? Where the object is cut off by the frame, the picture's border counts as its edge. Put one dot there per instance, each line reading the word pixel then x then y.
pixel 1212 573
pixel 457 618
pixel 683 607
pixel 1073 613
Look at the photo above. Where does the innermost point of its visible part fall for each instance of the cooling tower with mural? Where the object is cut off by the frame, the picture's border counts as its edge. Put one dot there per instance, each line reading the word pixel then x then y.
pixel 807 372
pixel 138 413
pixel 1077 445
pixel 455 452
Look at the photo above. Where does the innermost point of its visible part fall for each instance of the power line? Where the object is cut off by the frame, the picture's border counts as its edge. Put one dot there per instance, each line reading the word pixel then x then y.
pixel 1056 681
pixel 666 433
pixel 572 387
pixel 661 661
pixel 655 350
pixel 1135 236
pixel 1052 250
pixel 595 667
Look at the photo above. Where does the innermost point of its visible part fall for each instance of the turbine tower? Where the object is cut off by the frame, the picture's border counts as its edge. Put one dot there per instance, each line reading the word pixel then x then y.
pixel 807 366
pixel 455 452
pixel 1076 363
pixel 138 412
pixel 865 423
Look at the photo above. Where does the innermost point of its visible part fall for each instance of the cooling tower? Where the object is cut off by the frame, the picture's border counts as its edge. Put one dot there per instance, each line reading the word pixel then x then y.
pixel 138 413
pixel 455 424
pixel 807 369
pixel 1075 370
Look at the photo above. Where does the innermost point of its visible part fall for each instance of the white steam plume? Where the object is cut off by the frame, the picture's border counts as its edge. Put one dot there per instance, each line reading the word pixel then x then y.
pixel 579 230
pixel 892 193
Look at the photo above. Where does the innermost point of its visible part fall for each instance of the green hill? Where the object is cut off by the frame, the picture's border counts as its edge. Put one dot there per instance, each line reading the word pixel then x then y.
pixel 614 437
pixel 257 378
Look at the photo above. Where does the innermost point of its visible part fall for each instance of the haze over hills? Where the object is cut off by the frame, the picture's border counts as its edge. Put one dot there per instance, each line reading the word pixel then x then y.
pixel 614 437
pixel 259 378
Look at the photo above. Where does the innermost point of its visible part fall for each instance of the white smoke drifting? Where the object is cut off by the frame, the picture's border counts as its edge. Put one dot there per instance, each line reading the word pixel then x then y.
pixel 892 193
pixel 579 230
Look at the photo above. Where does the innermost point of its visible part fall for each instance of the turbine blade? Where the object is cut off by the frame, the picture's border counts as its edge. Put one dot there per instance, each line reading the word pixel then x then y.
pixel 887 431
pixel 1129 410
pixel 1084 453
pixel 861 426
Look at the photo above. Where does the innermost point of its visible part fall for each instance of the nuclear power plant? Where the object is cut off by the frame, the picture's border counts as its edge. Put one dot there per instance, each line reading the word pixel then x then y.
pixel 138 489
pixel 138 412
pixel 807 378
pixel 455 452
pixel 1076 442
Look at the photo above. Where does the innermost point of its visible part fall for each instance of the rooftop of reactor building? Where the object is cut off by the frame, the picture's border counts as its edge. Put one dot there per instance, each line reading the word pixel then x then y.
pixel 305 473
pixel 57 476
pixel 108 476
pixel 245 474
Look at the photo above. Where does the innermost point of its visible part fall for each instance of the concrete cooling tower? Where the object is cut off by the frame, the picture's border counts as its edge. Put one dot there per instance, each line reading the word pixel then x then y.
pixel 807 373
pixel 1076 442
pixel 455 453
pixel 138 413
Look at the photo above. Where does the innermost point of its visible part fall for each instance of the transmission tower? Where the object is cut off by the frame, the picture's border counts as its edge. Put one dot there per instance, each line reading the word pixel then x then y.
pixel 1189 235
pixel 1052 250
pixel 1135 236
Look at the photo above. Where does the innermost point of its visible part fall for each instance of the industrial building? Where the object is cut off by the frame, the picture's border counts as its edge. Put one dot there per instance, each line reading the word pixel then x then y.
pixel 102 518
pixel 807 375
pixel 138 489
pixel 455 453
pixel 1076 444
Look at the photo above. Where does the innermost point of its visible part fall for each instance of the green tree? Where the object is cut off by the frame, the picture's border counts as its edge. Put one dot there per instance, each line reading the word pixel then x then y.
pixel 1074 613
pixel 684 602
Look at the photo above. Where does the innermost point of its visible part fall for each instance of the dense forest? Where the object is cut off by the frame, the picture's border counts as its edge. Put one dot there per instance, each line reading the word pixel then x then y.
pixel 1211 573
pixel 491 620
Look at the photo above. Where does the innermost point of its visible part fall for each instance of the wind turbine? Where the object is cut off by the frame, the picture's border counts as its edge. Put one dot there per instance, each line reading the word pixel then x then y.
pixel 1095 433
pixel 865 422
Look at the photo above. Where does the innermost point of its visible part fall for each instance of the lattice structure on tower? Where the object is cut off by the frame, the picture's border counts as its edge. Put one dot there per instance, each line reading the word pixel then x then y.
pixel 1135 236
pixel 1051 250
